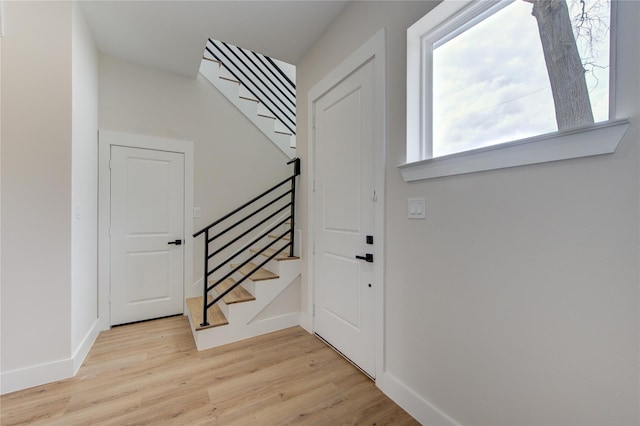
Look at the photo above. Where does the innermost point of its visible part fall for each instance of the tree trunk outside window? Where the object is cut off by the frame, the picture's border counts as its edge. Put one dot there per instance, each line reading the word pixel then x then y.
pixel 564 65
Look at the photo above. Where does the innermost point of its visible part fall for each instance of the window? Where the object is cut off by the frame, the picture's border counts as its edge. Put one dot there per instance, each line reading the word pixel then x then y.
pixel 484 86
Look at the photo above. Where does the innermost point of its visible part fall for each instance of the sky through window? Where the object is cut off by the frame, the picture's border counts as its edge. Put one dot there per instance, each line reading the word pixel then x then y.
pixel 490 83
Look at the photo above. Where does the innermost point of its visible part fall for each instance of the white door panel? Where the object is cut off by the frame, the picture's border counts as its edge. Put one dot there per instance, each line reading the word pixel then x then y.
pixel 342 291
pixel 345 215
pixel 147 212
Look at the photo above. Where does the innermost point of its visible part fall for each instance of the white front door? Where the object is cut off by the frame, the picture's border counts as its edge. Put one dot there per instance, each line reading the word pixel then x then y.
pixel 345 216
pixel 147 222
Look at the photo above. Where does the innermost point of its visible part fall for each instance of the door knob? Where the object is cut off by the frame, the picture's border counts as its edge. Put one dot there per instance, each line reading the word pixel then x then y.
pixel 176 242
pixel 367 257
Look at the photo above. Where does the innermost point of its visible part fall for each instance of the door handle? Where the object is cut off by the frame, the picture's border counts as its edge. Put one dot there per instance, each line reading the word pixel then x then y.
pixel 176 242
pixel 367 257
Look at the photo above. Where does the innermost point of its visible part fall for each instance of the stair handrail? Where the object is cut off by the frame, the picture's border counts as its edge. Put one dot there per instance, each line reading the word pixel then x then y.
pixel 289 97
pixel 282 73
pixel 270 101
pixel 289 245
pixel 247 81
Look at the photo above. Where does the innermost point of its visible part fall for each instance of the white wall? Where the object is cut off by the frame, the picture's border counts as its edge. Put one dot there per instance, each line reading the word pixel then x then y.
pixel 84 187
pixel 517 300
pixel 49 175
pixel 36 193
pixel 234 161
pixel 49 144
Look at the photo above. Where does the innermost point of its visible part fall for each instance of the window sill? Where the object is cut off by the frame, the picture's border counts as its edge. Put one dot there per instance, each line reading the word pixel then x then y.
pixel 601 138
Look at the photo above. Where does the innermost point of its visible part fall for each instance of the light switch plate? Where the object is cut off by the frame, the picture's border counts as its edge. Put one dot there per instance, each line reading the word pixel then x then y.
pixel 196 212
pixel 417 208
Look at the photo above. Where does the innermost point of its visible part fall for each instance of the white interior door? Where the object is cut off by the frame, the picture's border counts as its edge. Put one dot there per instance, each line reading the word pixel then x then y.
pixel 345 216
pixel 147 222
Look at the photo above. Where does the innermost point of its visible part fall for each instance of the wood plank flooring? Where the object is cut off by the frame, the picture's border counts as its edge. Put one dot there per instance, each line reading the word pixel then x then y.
pixel 151 374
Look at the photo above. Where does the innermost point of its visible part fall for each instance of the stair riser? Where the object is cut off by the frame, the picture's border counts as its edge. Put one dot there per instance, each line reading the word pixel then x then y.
pixel 247 95
pixel 249 285
pixel 263 110
pixel 279 127
pixel 226 75
pixel 282 268
pixel 243 313
pixel 264 292
pixel 288 271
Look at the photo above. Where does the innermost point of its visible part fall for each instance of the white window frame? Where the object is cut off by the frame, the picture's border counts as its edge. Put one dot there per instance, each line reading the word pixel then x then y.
pixel 445 21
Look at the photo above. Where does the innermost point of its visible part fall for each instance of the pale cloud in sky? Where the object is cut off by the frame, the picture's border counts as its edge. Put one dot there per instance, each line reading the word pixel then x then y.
pixel 490 84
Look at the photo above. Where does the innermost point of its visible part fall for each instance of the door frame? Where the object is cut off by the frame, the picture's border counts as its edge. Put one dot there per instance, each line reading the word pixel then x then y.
pixel 372 50
pixel 107 139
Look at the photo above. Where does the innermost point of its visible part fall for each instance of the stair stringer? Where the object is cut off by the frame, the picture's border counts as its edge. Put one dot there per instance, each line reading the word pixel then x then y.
pixel 241 316
pixel 231 90
pixel 265 293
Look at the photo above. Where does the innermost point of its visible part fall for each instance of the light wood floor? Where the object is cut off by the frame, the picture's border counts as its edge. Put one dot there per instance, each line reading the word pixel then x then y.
pixel 151 374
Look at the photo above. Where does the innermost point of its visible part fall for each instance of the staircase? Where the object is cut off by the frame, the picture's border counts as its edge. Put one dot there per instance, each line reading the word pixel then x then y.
pixel 238 316
pixel 258 87
pixel 251 273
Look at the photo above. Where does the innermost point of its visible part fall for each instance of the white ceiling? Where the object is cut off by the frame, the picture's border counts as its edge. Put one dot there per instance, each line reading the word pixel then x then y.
pixel 171 35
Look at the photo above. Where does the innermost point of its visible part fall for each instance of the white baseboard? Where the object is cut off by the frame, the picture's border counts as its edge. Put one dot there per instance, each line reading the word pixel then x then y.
pixel 36 375
pixel 83 350
pixel 280 322
pixel 306 322
pixel 421 409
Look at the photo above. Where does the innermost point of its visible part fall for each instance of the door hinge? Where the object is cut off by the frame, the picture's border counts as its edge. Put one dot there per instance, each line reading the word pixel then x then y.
pixel 375 196
pixel 314 311
pixel 109 164
pixel 314 122
pixel 314 185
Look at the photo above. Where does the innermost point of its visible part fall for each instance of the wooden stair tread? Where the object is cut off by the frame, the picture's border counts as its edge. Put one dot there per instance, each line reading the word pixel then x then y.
pixel 260 275
pixel 285 238
pixel 211 60
pixel 231 79
pixel 215 317
pixel 271 251
pixel 237 295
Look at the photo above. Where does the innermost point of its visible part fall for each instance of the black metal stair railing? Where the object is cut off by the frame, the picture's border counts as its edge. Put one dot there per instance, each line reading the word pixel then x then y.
pixel 270 203
pixel 262 77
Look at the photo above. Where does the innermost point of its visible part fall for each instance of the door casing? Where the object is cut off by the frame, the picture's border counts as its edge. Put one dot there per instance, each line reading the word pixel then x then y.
pixel 107 139
pixel 373 49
